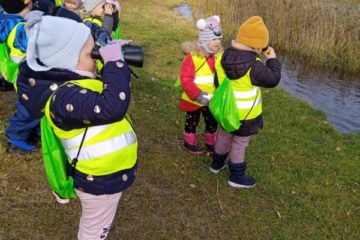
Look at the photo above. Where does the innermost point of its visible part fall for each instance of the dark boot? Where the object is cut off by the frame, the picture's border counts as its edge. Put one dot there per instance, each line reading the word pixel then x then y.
pixel 238 179
pixel 190 144
pixel 4 85
pixel 20 146
pixel 210 140
pixel 218 162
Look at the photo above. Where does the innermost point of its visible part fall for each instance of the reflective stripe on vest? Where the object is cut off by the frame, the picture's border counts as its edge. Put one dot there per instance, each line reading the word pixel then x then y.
pixel 106 149
pixel 204 77
pixel 248 97
pixel 93 20
pixel 58 2
pixel 15 54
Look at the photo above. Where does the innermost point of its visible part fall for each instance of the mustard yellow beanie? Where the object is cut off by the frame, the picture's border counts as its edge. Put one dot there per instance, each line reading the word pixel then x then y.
pixel 253 33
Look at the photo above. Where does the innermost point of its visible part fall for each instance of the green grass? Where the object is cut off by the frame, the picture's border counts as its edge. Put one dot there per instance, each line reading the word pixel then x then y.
pixel 307 173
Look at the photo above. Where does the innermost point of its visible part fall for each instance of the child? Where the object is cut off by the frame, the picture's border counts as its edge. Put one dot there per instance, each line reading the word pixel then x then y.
pixel 241 64
pixel 197 81
pixel 103 12
pixel 21 126
pixel 83 111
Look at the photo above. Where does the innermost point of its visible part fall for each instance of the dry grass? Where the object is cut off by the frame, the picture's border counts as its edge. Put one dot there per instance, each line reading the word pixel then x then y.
pixel 323 33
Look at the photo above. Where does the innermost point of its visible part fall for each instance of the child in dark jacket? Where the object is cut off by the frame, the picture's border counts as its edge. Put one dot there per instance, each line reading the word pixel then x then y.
pixel 80 111
pixel 197 77
pixel 21 125
pixel 242 65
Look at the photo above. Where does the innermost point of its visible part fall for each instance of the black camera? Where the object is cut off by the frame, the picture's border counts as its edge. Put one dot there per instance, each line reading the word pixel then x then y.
pixel 133 54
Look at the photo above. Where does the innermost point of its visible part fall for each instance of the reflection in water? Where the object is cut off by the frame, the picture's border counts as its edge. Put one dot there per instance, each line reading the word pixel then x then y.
pixel 340 99
pixel 185 11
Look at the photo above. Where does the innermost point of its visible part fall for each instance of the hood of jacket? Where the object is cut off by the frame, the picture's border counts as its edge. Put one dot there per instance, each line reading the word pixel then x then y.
pixel 237 62
pixel 35 87
pixel 192 47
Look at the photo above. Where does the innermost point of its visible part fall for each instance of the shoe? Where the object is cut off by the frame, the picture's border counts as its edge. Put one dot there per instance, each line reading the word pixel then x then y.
pixel 5 86
pixel 218 162
pixel 20 146
pixel 60 199
pixel 238 179
pixel 190 144
pixel 210 140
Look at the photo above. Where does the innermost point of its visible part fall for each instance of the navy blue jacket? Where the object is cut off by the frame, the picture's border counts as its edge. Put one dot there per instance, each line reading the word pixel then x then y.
pixel 35 88
pixel 235 64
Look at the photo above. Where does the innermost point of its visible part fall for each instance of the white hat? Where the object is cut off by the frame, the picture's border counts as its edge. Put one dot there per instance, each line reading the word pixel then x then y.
pixel 89 5
pixel 55 41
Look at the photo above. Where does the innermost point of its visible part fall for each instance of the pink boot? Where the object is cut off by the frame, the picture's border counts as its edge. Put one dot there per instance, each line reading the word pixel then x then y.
pixel 190 144
pixel 210 140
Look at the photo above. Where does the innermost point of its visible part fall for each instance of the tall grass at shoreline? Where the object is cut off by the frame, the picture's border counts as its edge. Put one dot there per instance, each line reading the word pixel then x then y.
pixel 323 33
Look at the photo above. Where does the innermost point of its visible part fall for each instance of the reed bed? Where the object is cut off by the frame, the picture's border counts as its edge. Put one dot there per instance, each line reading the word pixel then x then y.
pixel 324 33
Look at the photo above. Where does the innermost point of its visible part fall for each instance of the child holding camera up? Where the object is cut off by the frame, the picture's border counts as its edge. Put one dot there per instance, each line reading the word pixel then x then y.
pixel 79 110
pixel 241 64
pixel 104 13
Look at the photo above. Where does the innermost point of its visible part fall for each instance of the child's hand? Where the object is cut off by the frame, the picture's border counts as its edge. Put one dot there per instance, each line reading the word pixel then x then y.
pixel 203 98
pixel 113 51
pixel 270 54
pixel 108 8
pixel 115 3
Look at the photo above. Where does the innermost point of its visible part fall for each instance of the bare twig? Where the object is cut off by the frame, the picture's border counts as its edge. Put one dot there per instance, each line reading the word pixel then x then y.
pixel 217 195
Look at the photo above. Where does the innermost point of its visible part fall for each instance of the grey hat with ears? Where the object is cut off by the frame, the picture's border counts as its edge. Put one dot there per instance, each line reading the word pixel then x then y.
pixel 209 29
pixel 89 5
pixel 55 41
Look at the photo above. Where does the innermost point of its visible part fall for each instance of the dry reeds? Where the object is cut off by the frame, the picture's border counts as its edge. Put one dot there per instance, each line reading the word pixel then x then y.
pixel 324 33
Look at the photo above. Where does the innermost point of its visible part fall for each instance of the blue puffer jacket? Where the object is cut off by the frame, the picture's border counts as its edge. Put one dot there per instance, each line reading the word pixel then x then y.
pixel 7 23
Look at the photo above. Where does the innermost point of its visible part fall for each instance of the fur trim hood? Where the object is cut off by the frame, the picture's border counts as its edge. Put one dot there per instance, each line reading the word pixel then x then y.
pixel 193 47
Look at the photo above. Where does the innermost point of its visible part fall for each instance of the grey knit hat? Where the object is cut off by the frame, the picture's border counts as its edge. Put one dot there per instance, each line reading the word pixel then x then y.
pixel 55 41
pixel 89 5
pixel 209 29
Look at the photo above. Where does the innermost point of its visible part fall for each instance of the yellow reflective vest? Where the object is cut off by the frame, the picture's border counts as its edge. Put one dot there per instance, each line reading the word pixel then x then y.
pixel 204 77
pixel 107 149
pixel 248 97
pixel 15 54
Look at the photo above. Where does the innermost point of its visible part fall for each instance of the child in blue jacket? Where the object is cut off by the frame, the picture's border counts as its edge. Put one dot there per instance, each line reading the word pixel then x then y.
pixel 21 125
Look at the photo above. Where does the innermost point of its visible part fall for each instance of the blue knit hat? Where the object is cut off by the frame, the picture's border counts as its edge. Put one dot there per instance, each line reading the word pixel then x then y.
pixel 55 41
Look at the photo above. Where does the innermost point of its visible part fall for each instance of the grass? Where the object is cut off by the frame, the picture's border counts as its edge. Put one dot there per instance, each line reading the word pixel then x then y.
pixel 308 184
pixel 324 34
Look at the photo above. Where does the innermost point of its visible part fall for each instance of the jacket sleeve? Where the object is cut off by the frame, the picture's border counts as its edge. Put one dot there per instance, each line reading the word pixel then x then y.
pixel 76 107
pixel 108 23
pixel 268 75
pixel 101 36
pixel 187 77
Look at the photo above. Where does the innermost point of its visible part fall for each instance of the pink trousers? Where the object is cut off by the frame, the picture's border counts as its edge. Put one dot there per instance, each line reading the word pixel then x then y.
pixel 97 215
pixel 227 142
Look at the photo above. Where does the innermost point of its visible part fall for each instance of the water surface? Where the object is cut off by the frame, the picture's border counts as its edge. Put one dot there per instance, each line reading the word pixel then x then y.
pixel 338 98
